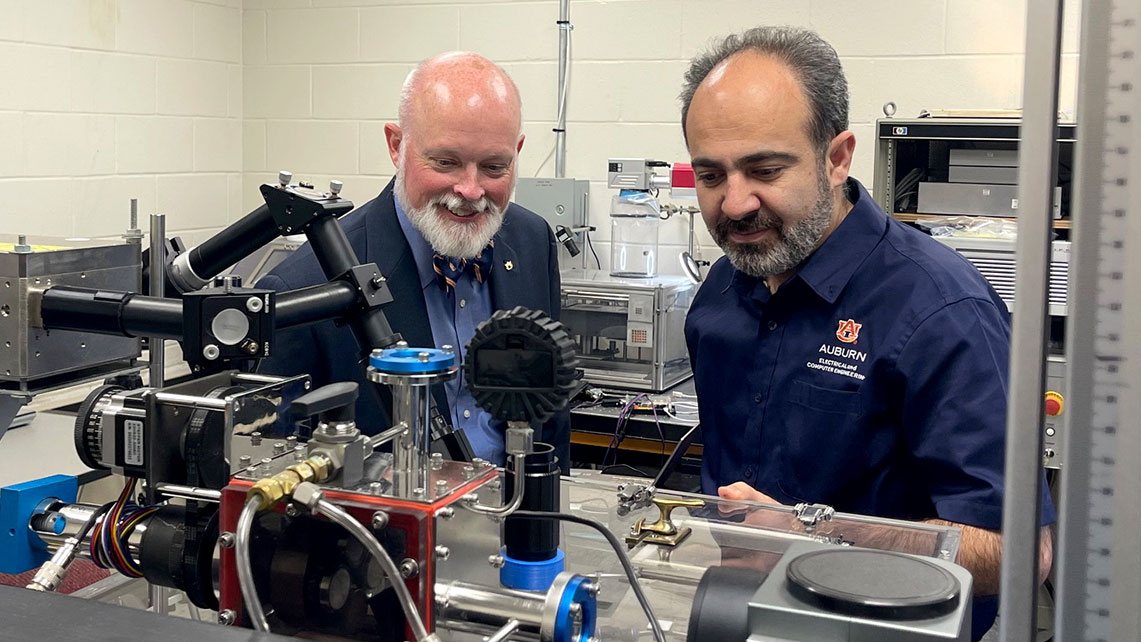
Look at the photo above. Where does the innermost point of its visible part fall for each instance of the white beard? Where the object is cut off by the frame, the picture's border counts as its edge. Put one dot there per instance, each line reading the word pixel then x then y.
pixel 456 239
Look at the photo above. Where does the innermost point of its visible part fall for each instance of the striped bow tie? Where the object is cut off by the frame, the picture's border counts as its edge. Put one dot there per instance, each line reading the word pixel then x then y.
pixel 448 270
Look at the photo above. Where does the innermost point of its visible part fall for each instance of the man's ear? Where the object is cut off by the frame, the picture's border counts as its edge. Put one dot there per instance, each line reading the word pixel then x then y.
pixel 519 147
pixel 840 152
pixel 394 137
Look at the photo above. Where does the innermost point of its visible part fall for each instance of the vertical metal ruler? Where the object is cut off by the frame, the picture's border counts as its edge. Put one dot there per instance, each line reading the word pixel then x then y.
pixel 1098 557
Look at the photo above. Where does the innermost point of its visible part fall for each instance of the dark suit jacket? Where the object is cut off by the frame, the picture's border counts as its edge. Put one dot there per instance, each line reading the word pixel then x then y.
pixel 329 353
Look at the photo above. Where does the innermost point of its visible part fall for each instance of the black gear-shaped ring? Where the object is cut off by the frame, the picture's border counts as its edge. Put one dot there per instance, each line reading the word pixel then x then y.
pixel 520 365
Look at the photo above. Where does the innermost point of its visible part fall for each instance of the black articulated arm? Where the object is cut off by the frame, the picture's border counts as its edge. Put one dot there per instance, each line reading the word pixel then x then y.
pixel 225 322
pixel 355 292
pixel 334 403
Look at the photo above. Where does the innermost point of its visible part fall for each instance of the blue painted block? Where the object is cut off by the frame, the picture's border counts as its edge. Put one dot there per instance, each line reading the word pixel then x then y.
pixel 20 549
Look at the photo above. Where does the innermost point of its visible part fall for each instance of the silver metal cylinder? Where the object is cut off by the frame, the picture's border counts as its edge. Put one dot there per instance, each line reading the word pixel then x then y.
pixel 411 407
pixel 189 492
pixel 564 64
pixel 75 515
pixel 157 347
pixel 190 401
pixel 61 521
pixel 484 609
pixel 410 452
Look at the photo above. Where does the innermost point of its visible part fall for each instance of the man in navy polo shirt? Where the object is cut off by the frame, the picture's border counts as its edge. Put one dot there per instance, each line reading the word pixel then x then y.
pixel 840 356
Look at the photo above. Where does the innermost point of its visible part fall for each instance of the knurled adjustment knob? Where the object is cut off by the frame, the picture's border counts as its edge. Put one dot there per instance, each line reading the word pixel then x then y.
pixel 88 434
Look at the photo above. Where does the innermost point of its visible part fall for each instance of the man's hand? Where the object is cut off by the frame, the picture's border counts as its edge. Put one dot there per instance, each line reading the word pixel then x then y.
pixel 740 491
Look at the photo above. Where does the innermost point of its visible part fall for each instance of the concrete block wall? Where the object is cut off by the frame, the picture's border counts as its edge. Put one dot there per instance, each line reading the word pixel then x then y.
pixel 188 105
pixel 322 76
pixel 107 100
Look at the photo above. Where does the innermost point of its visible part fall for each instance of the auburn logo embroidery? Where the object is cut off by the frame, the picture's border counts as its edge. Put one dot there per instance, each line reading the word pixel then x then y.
pixel 848 331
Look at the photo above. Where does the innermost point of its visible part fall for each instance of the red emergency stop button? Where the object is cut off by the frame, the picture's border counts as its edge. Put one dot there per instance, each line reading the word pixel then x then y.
pixel 1054 404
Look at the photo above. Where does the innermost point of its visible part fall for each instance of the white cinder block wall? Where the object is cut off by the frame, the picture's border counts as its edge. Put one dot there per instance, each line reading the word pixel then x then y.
pixel 188 105
pixel 322 76
pixel 107 100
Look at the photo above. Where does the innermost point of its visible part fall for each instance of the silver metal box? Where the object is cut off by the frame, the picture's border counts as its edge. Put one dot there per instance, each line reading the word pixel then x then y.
pixel 561 201
pixel 628 173
pixel 776 613
pixel 982 174
pixel 630 332
pixel 32 358
pixel 984 157
pixel 974 199
pixel 995 260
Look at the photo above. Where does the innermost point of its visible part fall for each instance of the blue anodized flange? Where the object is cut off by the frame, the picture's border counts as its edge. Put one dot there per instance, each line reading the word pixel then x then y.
pixel 570 589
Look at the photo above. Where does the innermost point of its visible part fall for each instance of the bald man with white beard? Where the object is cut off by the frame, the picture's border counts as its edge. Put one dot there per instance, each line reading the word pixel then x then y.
pixel 445 235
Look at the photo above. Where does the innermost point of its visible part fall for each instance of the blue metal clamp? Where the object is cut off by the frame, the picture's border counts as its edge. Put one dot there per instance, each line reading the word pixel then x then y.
pixel 21 549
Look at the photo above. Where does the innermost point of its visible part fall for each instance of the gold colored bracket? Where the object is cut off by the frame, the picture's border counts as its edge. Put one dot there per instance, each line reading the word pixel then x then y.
pixel 663 531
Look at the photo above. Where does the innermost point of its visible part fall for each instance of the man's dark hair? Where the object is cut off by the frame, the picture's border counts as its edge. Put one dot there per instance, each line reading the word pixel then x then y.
pixel 813 60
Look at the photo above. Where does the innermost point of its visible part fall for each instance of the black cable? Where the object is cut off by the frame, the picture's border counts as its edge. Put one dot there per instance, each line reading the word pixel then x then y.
pixel 675 457
pixel 618 550
pixel 637 472
pixel 90 523
pixel 661 435
pixel 591 246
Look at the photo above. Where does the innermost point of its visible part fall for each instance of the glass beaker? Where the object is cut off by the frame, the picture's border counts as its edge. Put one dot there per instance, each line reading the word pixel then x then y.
pixel 634 221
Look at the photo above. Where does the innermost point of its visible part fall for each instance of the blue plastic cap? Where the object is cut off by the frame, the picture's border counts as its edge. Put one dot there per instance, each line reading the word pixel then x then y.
pixel 412 360
pixel 20 549
pixel 530 576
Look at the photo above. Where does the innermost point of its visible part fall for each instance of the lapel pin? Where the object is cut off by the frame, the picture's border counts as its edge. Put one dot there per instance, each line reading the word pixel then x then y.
pixel 508 265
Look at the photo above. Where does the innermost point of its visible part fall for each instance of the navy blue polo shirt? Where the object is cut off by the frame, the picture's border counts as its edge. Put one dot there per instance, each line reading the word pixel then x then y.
pixel 874 380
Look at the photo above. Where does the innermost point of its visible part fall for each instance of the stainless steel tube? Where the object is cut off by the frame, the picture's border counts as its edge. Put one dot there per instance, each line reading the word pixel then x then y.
pixel 505 631
pixel 519 462
pixel 156 349
pixel 245 569
pixel 190 401
pixel 410 452
pixel 564 64
pixel 156 352
pixel 189 492
pixel 485 606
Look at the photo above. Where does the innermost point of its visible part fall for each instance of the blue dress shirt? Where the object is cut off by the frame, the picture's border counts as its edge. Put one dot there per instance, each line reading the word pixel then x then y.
pixel 454 317
pixel 873 380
